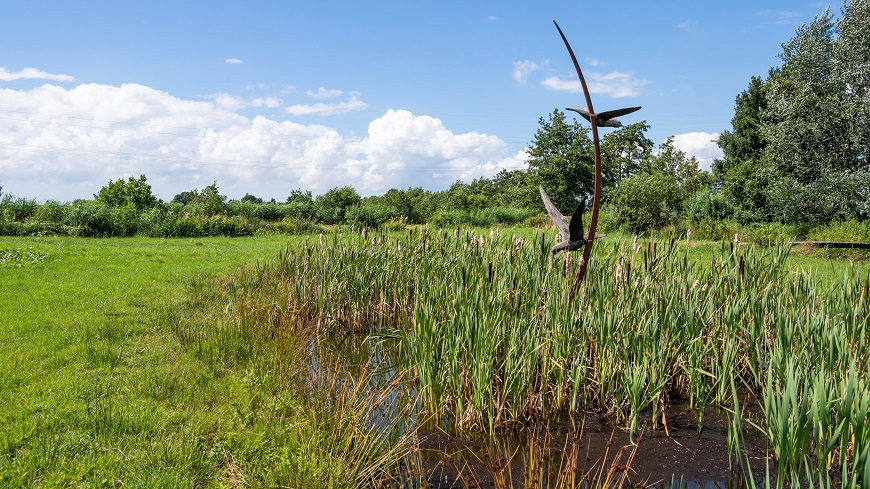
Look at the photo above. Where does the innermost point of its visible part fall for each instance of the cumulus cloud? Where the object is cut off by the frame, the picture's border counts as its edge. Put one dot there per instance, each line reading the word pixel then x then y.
pixel 233 61
pixel 615 84
pixel 400 144
pixel 79 138
pixel 522 70
pixel 701 145
pixel 32 74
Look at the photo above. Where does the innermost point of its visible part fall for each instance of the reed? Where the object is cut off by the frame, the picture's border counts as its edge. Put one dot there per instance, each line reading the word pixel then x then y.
pixel 494 338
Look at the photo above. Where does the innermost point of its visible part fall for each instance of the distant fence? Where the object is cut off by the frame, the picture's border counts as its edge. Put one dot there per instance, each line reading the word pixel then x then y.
pixel 833 244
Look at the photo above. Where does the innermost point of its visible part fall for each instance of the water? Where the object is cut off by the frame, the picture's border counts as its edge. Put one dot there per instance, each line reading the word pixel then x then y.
pixel 682 456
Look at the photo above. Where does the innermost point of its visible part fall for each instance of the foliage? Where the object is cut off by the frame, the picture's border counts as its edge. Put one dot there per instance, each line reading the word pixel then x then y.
pixel 647 201
pixel 707 204
pixel 561 158
pixel 745 141
pixel 133 192
pixel 370 214
pixel 623 153
pixel 17 209
pixel 331 206
pixel 799 149
pixel 209 202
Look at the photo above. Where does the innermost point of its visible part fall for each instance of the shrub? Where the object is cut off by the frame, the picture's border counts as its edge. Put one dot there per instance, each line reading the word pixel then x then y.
pixel 17 209
pixel 645 202
pixel 707 204
pixel 445 218
pixel 370 214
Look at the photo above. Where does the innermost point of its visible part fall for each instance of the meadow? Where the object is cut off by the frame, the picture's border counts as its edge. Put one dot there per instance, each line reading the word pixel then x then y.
pixel 143 362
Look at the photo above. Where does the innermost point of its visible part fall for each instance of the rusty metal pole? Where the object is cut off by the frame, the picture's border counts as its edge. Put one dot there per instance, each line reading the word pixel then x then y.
pixel 596 195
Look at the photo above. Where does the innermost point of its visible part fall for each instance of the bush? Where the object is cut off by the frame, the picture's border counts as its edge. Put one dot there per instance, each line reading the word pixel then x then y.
pixel 331 206
pixel 17 209
pixel 444 218
pixel 294 225
pixel 90 219
pixel 645 202
pixel 706 205
pixel 370 214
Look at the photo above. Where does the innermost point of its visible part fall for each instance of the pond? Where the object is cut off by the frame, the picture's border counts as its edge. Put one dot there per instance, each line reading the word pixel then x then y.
pixel 680 456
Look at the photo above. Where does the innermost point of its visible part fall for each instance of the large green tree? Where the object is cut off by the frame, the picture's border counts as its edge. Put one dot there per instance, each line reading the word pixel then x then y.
pixel 561 157
pixel 134 192
pixel 800 145
pixel 623 152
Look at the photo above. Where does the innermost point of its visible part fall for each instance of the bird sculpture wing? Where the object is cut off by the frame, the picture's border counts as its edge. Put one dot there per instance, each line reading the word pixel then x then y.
pixel 558 219
pixel 582 111
pixel 610 114
pixel 576 227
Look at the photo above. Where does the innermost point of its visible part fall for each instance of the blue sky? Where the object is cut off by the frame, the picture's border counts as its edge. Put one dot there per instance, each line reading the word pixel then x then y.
pixel 266 97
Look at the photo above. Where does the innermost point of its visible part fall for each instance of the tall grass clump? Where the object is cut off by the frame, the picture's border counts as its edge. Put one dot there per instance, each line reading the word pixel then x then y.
pixel 494 337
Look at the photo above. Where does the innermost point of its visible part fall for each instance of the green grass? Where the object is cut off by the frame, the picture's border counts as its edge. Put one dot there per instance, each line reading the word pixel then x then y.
pixel 123 364
pixel 94 392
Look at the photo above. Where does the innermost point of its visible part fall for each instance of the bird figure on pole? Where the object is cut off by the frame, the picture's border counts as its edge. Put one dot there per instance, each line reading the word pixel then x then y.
pixel 607 118
pixel 571 231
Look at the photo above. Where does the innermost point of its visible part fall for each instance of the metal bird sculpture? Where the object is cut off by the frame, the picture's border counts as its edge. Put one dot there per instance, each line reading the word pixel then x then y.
pixel 605 119
pixel 571 231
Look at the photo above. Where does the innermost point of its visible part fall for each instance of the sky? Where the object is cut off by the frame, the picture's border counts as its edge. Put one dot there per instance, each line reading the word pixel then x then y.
pixel 264 97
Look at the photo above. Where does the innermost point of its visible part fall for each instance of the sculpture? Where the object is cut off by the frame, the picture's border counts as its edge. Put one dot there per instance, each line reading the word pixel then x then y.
pixel 605 119
pixel 571 231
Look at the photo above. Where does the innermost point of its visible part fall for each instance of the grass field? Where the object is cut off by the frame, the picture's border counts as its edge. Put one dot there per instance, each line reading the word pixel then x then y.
pixel 118 368
pixel 93 392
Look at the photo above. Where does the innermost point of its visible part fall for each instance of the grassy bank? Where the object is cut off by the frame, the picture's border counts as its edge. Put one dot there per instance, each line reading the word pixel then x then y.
pixel 115 372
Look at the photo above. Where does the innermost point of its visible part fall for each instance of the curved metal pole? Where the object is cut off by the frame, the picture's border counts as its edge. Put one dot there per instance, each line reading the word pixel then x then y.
pixel 596 194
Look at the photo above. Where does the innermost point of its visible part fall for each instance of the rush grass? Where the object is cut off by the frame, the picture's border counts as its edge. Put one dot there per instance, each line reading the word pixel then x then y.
pixel 488 326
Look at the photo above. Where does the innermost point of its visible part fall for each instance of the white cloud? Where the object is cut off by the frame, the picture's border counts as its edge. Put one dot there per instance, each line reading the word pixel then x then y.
pixel 270 102
pixel 615 84
pixel 594 62
pixel 32 74
pixel 325 109
pixel 67 143
pixel 233 61
pixel 701 145
pixel 522 70
pixel 324 93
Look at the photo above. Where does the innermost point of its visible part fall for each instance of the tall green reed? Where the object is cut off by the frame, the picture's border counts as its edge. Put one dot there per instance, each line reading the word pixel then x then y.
pixel 494 337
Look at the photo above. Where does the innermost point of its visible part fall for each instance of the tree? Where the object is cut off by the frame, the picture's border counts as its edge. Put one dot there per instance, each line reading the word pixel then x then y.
pixel 670 161
pixel 251 199
pixel 745 141
pixel 561 157
pixel 185 197
pixel 133 192
pixel 623 152
pixel 298 195
pixel 208 202
pixel 332 205
pixel 818 117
